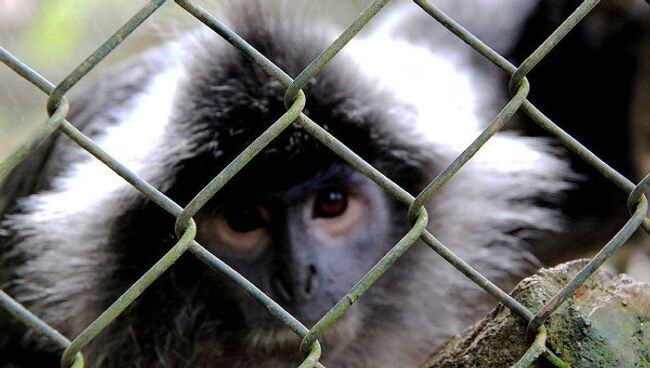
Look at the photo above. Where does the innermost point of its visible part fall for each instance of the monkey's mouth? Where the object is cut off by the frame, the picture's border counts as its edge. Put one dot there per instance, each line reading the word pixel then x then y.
pixel 283 341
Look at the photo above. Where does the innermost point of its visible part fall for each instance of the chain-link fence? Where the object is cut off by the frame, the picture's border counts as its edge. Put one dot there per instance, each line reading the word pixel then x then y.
pixel 295 100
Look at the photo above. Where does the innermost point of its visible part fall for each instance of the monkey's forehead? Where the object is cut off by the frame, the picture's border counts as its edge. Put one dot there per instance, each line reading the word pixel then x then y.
pixel 292 189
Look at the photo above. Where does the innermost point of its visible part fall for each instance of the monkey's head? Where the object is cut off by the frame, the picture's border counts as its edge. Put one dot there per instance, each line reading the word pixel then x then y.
pixel 298 221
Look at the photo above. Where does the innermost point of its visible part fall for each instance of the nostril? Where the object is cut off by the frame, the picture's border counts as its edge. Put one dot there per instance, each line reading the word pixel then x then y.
pixel 282 284
pixel 310 279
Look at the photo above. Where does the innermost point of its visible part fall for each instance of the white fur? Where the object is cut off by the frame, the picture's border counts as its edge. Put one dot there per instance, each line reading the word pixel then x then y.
pixel 129 142
pixel 66 227
pixel 446 95
pixel 439 86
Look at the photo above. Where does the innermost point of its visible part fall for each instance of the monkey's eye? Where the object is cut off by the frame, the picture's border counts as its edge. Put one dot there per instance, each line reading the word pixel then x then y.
pixel 330 203
pixel 336 212
pixel 239 230
pixel 245 217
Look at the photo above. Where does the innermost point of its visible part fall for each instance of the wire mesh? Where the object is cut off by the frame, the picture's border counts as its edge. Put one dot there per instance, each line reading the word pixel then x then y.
pixel 57 107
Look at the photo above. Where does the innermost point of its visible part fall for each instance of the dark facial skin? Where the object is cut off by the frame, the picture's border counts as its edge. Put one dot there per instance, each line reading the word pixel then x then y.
pixel 304 247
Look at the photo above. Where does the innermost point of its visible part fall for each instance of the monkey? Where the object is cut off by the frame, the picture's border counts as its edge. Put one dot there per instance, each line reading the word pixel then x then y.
pixel 298 221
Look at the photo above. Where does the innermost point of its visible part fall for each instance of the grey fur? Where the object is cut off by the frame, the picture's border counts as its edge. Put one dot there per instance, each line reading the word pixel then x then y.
pixel 70 268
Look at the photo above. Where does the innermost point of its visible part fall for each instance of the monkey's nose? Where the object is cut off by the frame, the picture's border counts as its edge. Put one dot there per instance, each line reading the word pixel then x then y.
pixel 306 284
pixel 310 280
pixel 282 285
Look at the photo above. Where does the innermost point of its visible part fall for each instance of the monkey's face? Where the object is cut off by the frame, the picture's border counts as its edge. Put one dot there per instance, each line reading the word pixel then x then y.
pixel 304 247
pixel 297 221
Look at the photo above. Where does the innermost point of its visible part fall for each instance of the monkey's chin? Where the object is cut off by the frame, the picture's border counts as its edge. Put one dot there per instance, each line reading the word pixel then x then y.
pixel 283 341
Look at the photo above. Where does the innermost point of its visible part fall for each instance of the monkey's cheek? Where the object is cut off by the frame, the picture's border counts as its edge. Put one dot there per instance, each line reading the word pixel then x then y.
pixel 242 251
pixel 220 240
pixel 247 244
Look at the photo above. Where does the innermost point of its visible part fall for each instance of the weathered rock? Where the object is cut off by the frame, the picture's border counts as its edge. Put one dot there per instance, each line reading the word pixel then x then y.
pixel 605 324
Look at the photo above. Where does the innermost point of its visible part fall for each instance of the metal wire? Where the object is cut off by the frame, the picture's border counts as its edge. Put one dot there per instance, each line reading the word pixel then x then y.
pixel 57 107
